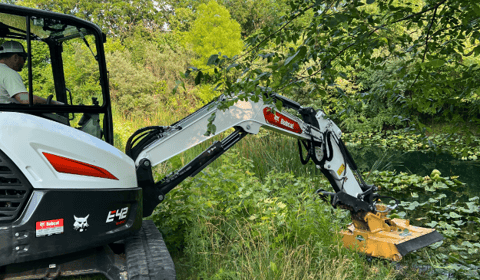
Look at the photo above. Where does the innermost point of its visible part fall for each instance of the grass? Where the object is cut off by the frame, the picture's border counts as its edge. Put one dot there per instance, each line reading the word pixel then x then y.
pixel 249 253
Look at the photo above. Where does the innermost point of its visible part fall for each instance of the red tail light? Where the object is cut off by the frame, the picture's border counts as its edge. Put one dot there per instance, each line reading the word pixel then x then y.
pixel 70 166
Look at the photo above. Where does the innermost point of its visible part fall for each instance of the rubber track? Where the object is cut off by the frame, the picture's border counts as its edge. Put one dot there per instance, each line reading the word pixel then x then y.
pixel 147 255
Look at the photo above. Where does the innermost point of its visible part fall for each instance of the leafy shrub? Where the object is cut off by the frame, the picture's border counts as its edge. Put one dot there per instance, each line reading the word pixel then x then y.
pixel 462 147
pixel 428 202
pixel 132 88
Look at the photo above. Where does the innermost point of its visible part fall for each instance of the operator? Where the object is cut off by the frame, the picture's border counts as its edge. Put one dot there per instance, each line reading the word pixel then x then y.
pixel 12 89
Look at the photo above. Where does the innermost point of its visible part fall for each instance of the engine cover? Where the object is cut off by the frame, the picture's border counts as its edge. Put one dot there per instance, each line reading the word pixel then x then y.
pixel 25 139
pixel 61 190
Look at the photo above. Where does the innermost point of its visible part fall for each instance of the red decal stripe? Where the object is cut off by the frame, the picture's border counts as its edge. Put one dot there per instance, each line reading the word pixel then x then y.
pixel 281 121
pixel 70 166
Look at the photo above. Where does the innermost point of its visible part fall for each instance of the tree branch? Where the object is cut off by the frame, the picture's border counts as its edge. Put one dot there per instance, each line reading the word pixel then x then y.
pixel 421 12
pixel 426 45
pixel 375 30
pixel 277 31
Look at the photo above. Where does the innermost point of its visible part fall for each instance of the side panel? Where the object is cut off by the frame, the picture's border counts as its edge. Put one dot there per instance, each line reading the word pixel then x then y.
pixel 24 138
pixel 57 222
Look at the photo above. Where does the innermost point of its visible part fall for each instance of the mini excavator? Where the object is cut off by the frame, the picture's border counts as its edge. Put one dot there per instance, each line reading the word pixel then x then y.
pixel 73 204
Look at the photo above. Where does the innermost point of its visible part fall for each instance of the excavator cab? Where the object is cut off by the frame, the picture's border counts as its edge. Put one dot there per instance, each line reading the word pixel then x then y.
pixel 63 53
pixel 69 200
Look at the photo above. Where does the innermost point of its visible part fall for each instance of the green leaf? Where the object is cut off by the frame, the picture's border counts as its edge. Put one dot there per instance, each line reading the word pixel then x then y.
pixel 436 245
pixel 198 78
pixel 456 248
pixel 177 83
pixel 232 66
pixel 370 1
pixel 441 196
pixel 273 266
pixel 477 50
pixel 420 23
pixel 432 224
pixel 454 215
pixel 187 73
pixel 212 117
pixel 212 59
pixel 297 56
pixel 467 244
pixel 279 104
pixel 435 63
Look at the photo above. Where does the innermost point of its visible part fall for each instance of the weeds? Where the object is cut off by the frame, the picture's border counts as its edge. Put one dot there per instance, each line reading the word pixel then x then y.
pixel 227 224
pixel 236 250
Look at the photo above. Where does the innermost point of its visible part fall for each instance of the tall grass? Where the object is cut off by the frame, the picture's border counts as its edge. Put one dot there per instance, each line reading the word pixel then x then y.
pixel 250 253
pixel 272 151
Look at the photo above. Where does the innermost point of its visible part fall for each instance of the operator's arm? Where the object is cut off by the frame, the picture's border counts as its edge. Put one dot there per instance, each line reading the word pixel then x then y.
pixel 13 85
pixel 22 97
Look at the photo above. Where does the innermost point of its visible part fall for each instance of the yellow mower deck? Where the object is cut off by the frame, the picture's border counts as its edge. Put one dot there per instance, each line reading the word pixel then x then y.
pixel 379 236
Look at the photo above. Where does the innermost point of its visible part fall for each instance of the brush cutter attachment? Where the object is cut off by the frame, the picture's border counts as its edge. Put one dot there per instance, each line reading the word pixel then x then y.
pixel 378 236
pixel 371 231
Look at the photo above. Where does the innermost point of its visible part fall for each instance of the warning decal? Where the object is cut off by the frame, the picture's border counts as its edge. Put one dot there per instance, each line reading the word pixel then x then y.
pixel 46 228
pixel 341 169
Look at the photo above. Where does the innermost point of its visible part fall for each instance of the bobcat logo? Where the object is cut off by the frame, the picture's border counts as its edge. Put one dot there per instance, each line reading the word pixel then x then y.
pixel 80 224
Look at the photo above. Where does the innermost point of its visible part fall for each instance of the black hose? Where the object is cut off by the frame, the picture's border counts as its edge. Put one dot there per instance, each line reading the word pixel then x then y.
pixel 347 155
pixel 326 156
pixel 307 146
pixel 143 136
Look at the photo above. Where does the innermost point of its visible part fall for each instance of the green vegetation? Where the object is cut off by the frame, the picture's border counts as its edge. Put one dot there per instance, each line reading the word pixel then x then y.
pixel 398 74
pixel 428 203
pixel 227 224
pixel 376 64
pixel 213 32
pixel 462 147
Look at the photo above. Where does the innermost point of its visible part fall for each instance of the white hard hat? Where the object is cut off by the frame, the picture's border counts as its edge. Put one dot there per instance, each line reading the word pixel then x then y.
pixel 12 47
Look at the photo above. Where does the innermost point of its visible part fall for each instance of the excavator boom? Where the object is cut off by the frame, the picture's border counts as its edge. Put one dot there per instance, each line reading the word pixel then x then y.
pixel 371 231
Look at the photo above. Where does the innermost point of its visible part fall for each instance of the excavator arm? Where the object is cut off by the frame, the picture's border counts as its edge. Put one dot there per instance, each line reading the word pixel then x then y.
pixel 371 231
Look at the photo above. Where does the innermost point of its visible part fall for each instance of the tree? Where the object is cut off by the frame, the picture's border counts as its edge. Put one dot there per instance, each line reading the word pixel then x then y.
pixel 214 32
pixel 115 17
pixel 255 14
pixel 251 15
pixel 429 43
pixel 183 20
